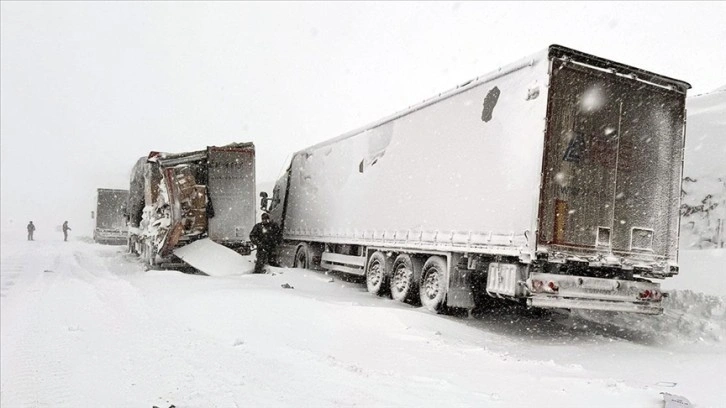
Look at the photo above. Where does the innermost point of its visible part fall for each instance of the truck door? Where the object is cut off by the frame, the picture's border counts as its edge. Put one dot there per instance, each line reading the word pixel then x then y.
pixel 649 164
pixel 231 190
pixel 608 176
pixel 581 161
pixel 279 200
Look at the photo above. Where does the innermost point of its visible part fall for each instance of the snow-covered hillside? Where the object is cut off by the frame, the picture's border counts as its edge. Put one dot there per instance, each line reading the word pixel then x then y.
pixel 84 325
pixel 705 135
pixel 704 201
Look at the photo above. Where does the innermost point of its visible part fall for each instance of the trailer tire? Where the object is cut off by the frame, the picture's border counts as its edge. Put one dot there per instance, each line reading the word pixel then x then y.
pixel 377 273
pixel 404 285
pixel 432 290
pixel 302 256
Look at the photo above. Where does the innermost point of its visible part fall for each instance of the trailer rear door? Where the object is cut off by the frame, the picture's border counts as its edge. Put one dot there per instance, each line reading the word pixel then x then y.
pixel 613 155
pixel 231 188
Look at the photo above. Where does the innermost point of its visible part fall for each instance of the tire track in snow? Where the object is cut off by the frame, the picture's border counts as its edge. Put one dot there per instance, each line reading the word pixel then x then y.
pixel 89 338
pixel 8 277
pixel 36 368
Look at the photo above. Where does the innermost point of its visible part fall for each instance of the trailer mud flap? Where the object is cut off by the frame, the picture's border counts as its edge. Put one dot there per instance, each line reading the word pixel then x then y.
pixel 461 285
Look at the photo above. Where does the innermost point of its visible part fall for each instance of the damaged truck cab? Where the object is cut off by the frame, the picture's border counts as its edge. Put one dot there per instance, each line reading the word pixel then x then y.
pixel 178 198
pixel 553 182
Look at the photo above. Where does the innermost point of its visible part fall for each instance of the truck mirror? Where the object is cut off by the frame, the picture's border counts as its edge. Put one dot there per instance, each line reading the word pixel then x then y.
pixel 93 214
pixel 264 201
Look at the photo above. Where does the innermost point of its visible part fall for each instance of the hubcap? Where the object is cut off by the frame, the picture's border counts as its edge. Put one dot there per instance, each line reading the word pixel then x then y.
pixel 401 278
pixel 374 274
pixel 432 284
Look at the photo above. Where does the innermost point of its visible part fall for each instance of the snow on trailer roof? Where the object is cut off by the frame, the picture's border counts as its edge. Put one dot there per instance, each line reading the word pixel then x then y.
pixel 553 51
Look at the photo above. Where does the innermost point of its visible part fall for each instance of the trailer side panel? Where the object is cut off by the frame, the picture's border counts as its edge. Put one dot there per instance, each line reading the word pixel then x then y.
pixel 459 171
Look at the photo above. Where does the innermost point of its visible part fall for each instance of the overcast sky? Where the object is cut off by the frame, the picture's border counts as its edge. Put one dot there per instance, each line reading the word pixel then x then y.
pixel 89 87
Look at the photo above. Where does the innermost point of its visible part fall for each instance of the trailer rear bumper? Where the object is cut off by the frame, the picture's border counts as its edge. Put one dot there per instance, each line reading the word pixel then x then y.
pixel 555 302
pixel 110 236
pixel 582 292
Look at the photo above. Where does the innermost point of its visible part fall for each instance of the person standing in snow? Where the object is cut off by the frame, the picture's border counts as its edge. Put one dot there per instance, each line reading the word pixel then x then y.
pixel 66 228
pixel 266 235
pixel 31 230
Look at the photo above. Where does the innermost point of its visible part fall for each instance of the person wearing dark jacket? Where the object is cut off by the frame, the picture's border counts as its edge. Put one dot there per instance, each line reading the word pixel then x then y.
pixel 31 230
pixel 265 235
pixel 66 228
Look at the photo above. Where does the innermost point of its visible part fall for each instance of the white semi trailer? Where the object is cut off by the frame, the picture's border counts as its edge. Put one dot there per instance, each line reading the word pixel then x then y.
pixel 110 223
pixel 554 182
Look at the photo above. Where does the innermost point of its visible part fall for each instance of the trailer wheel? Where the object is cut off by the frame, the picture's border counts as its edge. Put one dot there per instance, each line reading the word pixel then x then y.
pixel 377 272
pixel 302 257
pixel 433 284
pixel 404 287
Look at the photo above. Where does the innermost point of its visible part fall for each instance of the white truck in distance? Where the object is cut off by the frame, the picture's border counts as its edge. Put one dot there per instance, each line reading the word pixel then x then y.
pixel 110 222
pixel 554 182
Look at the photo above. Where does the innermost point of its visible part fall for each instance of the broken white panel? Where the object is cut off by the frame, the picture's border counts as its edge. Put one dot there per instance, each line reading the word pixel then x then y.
pixel 675 401
pixel 215 259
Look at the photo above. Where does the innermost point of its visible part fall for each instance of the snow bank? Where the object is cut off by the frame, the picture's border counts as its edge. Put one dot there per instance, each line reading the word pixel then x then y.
pixel 705 132
pixel 689 317
pixel 700 271
pixel 694 311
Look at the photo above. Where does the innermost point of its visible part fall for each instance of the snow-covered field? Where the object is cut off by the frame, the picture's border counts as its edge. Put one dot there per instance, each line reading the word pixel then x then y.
pixel 83 325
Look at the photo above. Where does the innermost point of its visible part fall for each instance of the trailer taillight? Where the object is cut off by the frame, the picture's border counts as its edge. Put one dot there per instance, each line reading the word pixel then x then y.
pixel 650 295
pixel 546 286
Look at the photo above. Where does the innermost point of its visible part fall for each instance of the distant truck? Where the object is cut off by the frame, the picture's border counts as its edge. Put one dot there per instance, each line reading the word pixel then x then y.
pixel 176 199
pixel 110 223
pixel 554 182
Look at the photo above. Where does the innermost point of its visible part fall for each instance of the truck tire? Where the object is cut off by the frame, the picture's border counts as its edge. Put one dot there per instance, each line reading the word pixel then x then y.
pixel 404 285
pixel 302 256
pixel 433 284
pixel 377 273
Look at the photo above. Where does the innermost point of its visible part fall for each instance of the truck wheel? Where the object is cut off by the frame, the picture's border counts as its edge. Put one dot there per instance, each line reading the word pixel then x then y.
pixel 433 284
pixel 404 287
pixel 377 272
pixel 302 257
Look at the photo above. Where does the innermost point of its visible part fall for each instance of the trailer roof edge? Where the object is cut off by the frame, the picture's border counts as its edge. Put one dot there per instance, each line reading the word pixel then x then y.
pixel 559 51
pixel 553 51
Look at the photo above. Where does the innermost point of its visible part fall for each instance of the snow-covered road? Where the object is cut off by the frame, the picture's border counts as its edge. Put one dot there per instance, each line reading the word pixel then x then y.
pixel 84 325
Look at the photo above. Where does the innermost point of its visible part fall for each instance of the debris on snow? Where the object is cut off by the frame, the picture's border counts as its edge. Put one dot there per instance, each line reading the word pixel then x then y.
pixel 675 401
pixel 666 384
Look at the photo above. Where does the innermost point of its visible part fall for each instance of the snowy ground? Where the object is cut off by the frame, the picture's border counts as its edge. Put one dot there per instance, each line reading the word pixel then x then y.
pixel 83 325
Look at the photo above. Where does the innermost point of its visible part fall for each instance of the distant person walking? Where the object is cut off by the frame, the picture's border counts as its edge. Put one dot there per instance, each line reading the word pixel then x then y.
pixel 66 228
pixel 266 235
pixel 31 230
